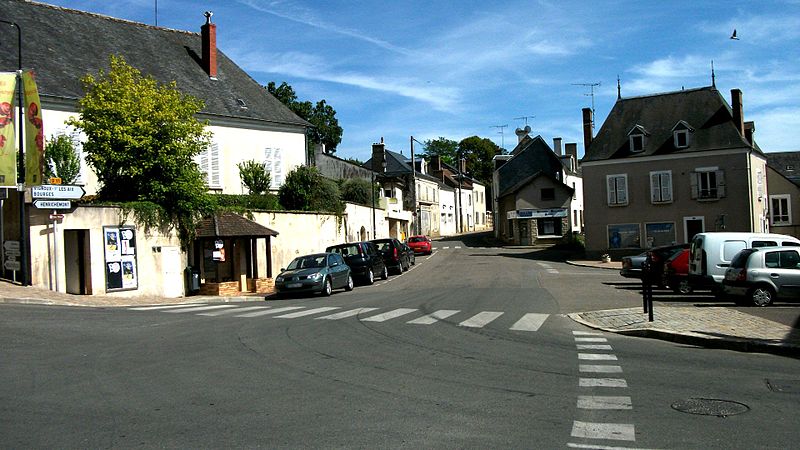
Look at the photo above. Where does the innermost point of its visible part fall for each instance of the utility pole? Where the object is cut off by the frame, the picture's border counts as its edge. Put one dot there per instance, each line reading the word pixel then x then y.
pixel 591 87
pixel 502 135
pixel 414 215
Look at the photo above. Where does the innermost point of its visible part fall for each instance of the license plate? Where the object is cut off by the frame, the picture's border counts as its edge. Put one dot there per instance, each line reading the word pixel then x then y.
pixel 294 285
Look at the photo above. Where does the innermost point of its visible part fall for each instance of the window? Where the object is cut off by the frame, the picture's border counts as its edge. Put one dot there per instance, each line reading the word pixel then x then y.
pixel 625 235
pixel 272 159
pixel 548 193
pixel 681 138
pixel 77 138
pixel 637 142
pixel 549 227
pixel 658 234
pixel 780 211
pixel 661 186
pixel 617 189
pixel 210 166
pixel 574 191
pixel 708 184
pixel 388 193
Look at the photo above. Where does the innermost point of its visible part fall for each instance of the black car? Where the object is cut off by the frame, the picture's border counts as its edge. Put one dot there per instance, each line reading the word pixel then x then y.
pixel 394 254
pixel 412 257
pixel 364 260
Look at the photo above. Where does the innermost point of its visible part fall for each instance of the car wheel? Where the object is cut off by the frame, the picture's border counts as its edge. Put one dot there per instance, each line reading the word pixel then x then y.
pixel 349 286
pixel 762 295
pixel 385 273
pixel 327 288
pixel 370 277
pixel 413 260
pixel 682 287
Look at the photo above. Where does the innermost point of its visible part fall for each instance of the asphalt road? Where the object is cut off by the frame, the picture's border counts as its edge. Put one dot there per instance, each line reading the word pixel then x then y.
pixel 482 358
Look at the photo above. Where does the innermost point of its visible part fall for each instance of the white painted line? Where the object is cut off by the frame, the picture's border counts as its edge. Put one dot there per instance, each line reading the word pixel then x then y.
pixel 553 271
pixel 307 312
pixel 344 314
pixel 445 248
pixel 594 347
pixel 270 311
pixel 530 322
pixel 150 308
pixel 389 315
pixel 603 402
pixel 599 369
pixel 457 246
pixel 603 447
pixel 434 317
pixel 603 382
pixel 590 339
pixel 615 431
pixel 232 311
pixel 481 319
pixel 200 308
pixel 586 333
pixel 596 357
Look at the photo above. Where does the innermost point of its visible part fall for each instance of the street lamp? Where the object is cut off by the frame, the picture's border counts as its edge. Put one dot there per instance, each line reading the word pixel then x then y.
pixel 383 170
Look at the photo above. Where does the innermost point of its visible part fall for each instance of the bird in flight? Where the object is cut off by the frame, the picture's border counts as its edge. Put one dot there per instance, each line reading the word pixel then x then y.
pixel 733 36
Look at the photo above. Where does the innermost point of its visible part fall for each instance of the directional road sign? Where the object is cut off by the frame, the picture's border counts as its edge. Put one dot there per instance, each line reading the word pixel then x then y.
pixel 52 204
pixel 58 191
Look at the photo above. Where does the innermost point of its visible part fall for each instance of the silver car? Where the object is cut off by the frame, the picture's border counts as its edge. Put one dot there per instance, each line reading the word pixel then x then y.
pixel 764 274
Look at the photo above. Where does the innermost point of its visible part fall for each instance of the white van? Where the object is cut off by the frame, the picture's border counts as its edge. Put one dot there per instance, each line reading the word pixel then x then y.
pixel 711 253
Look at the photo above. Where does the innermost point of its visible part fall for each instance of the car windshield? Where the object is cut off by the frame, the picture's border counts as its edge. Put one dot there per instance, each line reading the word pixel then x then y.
pixel 740 260
pixel 307 262
pixel 345 250
pixel 416 239
pixel 382 246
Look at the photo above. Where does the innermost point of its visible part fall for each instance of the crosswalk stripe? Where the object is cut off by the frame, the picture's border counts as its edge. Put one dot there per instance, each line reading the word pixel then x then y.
pixel 150 308
pixel 597 357
pixel 233 311
pixel 269 311
pixel 530 322
pixel 344 314
pixel 434 317
pixel 594 347
pixel 599 368
pixel 612 431
pixel 590 339
pixel 603 402
pixel 307 312
pixel 603 382
pixel 586 333
pixel 199 308
pixel 481 319
pixel 388 315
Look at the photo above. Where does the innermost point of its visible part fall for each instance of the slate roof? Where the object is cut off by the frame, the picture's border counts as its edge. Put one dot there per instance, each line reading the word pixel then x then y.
pixel 63 45
pixel 228 224
pixel 525 181
pixel 704 109
pixel 531 156
pixel 398 165
pixel 786 164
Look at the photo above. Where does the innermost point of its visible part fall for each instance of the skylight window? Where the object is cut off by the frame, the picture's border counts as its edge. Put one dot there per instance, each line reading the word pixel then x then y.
pixel 241 103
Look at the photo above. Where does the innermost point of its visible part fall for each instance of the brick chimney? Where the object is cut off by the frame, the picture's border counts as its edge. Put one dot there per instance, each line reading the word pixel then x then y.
pixel 736 105
pixel 557 146
pixel 571 150
pixel 208 36
pixel 587 129
pixel 379 157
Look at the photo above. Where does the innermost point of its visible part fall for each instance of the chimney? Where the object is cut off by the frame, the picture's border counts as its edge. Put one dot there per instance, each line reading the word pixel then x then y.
pixel 736 105
pixel 462 164
pixel 379 157
pixel 571 150
pixel 749 129
pixel 208 36
pixel 557 145
pixel 436 163
pixel 587 129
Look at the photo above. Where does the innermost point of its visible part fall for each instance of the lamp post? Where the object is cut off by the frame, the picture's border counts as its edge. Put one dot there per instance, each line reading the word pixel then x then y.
pixel 383 170
pixel 460 200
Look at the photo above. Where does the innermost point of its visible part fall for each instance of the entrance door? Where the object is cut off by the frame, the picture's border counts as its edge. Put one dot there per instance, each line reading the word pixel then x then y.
pixel 524 234
pixel 692 226
pixel 77 262
pixel 171 272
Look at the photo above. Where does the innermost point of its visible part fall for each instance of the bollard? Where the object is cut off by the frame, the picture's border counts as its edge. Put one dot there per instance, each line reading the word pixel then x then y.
pixel 647 288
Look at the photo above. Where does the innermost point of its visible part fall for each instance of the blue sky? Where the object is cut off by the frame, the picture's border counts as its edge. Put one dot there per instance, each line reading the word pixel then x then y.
pixel 460 68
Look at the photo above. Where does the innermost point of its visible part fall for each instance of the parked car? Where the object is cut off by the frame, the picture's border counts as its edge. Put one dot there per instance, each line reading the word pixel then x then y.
pixel 676 272
pixel 764 274
pixel 394 255
pixel 421 244
pixel 412 256
pixel 317 273
pixel 632 265
pixel 711 254
pixel 365 262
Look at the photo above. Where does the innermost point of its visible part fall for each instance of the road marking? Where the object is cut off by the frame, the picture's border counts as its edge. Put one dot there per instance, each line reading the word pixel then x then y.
pixel 590 339
pixel 481 319
pixel 388 315
pixel 270 311
pixel 231 311
pixel 594 347
pixel 530 322
pixel 457 246
pixel 599 368
pixel 307 312
pixel 553 271
pixel 149 308
pixel 603 447
pixel 614 431
pixel 445 248
pixel 344 314
pixel 586 333
pixel 603 382
pixel 199 308
pixel 597 357
pixel 434 317
pixel 603 402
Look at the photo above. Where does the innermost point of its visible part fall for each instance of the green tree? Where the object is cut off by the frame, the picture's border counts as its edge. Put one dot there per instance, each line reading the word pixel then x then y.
pixel 479 153
pixel 305 189
pixel 142 138
pixel 61 160
pixel 326 126
pixel 358 190
pixel 442 147
pixel 255 176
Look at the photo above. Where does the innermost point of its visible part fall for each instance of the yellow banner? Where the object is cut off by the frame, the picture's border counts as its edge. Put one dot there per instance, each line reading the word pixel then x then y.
pixel 34 133
pixel 8 149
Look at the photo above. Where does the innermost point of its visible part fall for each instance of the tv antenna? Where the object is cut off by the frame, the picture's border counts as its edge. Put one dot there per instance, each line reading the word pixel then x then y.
pixel 525 118
pixel 502 134
pixel 591 87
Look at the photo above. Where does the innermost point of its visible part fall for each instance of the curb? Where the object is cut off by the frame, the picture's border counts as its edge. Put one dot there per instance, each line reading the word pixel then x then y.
pixel 596 266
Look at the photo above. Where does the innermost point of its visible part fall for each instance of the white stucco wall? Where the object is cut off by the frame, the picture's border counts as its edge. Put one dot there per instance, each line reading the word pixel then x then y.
pixel 479 207
pixel 576 207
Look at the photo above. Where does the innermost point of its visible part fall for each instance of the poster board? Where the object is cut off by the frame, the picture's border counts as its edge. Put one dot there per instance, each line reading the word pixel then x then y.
pixel 119 244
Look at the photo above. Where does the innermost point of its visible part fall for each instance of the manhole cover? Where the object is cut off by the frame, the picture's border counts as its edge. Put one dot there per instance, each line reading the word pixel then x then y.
pixel 710 407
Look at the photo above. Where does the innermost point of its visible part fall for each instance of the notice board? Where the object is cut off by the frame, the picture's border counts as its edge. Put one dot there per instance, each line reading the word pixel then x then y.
pixel 120 254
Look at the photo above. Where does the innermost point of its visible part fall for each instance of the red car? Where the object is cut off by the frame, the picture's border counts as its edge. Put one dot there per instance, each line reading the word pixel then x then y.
pixel 420 244
pixel 676 272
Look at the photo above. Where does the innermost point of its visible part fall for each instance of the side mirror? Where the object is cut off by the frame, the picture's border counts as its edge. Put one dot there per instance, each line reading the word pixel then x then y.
pixel 334 264
pixel 283 270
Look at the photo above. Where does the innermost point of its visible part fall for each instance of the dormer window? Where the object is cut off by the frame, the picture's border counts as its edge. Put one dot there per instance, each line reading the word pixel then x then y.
pixel 637 139
pixel 680 134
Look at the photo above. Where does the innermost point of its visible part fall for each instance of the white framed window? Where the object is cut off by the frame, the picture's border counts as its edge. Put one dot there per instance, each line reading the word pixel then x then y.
pixel 661 186
pixel 780 212
pixel 708 184
pixel 272 159
pixel 617 189
pixel 681 138
pixel 210 164
pixel 637 143
pixel 77 138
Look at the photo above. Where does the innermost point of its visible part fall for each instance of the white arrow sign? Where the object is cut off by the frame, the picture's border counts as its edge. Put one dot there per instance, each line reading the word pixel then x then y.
pixel 11 246
pixel 52 204
pixel 58 191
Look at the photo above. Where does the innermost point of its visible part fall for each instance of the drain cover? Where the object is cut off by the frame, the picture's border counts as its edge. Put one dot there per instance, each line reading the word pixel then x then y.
pixel 710 407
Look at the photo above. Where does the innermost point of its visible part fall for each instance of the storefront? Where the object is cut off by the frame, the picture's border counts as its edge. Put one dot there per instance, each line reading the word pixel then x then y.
pixel 537 226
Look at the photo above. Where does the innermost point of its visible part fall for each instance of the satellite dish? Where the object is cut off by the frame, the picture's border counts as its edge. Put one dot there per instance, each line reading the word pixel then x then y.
pixel 519 132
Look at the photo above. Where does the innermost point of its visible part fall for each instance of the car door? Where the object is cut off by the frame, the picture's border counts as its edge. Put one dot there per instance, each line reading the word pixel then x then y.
pixel 334 270
pixel 788 280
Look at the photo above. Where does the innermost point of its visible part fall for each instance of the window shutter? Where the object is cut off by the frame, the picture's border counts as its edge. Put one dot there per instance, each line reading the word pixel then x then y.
pixel 215 175
pixel 655 188
pixel 695 181
pixel 202 163
pixel 720 183
pixel 622 190
pixel 611 190
pixel 666 187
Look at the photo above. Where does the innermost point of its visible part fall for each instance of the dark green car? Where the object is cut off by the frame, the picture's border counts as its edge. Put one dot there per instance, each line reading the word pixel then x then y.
pixel 317 273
